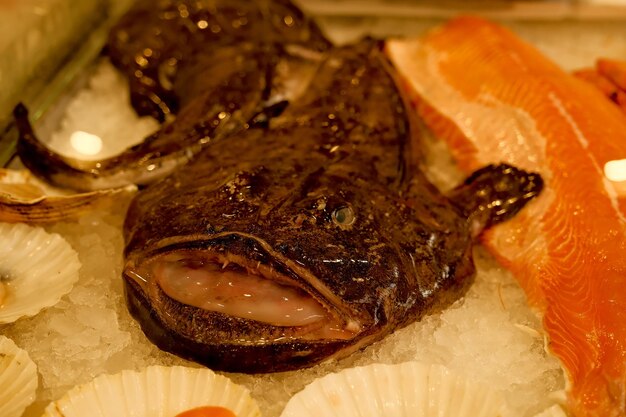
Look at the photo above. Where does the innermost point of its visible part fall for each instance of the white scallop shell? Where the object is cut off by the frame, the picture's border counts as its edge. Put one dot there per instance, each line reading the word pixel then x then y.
pixel 554 411
pixel 18 379
pixel 157 391
pixel 24 198
pixel 409 389
pixel 36 269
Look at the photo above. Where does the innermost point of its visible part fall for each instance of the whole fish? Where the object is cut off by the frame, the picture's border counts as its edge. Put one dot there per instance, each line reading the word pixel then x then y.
pixel 278 249
pixel 493 97
pixel 220 66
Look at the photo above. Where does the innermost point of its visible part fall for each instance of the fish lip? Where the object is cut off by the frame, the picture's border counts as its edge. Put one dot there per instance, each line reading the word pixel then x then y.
pixel 227 355
pixel 295 274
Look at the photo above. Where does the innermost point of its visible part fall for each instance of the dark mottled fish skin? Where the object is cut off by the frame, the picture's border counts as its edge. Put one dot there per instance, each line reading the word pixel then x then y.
pixel 212 116
pixel 156 42
pixel 223 81
pixel 329 197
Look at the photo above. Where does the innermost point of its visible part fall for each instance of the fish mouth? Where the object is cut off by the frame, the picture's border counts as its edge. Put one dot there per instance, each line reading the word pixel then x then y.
pixel 272 292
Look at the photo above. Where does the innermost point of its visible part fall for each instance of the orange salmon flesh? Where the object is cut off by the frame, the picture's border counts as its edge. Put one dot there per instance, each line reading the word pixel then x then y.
pixel 494 98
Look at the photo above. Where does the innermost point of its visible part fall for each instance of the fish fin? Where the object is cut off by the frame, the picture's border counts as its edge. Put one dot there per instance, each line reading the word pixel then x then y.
pixel 494 194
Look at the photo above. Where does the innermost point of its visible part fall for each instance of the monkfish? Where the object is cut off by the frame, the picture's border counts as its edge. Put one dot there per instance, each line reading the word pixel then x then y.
pixel 218 66
pixel 284 247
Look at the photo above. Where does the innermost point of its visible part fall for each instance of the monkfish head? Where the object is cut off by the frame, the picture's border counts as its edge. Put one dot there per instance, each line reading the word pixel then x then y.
pixel 267 271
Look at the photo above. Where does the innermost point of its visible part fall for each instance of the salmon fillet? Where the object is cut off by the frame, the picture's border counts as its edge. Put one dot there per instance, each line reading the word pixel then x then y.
pixel 494 98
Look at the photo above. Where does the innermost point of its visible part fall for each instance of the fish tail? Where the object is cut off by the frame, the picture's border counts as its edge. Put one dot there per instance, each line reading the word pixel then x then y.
pixel 494 194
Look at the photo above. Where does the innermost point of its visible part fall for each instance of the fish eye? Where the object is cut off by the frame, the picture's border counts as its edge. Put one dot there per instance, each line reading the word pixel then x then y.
pixel 343 216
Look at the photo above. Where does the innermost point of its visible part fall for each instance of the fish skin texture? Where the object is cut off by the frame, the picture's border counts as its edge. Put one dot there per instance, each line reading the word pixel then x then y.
pixel 494 98
pixel 177 32
pixel 271 196
pixel 216 65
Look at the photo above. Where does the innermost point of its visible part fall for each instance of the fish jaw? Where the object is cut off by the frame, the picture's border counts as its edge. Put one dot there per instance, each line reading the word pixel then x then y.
pixel 259 303
pixel 364 255
pixel 219 354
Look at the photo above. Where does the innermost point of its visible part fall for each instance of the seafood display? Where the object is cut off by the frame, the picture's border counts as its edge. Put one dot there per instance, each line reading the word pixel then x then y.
pixel 492 97
pixel 157 391
pixel 280 248
pixel 219 66
pixel 18 379
pixel 285 220
pixel 36 269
